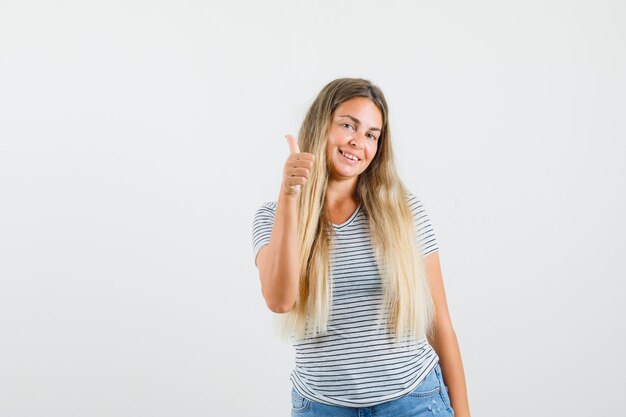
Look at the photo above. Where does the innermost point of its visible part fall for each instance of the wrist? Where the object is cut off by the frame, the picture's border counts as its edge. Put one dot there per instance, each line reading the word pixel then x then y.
pixel 288 195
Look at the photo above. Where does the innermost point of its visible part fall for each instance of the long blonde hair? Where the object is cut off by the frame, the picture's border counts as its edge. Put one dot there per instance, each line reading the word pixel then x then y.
pixel 383 198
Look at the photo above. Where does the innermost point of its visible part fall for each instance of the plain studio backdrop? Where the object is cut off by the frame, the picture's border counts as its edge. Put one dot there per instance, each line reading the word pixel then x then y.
pixel 138 139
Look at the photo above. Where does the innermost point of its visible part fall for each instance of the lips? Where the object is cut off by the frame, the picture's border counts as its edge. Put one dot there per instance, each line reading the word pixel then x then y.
pixel 353 160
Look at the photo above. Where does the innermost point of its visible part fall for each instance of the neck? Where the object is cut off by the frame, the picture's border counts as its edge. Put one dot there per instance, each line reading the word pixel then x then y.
pixel 339 192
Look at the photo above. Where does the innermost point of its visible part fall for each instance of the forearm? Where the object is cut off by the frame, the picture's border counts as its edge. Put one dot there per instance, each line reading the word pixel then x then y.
pixel 447 347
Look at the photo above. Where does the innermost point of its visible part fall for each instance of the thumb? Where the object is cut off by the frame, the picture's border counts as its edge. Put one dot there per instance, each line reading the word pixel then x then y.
pixel 293 144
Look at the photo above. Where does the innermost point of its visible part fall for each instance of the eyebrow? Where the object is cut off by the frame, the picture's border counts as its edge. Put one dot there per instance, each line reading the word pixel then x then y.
pixel 358 122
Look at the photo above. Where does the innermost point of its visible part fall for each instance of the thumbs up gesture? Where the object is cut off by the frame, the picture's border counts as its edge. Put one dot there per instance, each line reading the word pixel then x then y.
pixel 297 168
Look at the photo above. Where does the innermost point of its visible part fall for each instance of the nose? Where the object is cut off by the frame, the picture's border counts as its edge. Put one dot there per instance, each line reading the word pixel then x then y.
pixel 355 141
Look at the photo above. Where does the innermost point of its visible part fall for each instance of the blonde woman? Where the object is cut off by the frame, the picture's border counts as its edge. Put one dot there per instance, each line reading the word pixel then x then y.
pixel 348 257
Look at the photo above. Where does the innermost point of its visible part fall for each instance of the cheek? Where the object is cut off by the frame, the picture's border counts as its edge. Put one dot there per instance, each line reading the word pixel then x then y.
pixel 373 151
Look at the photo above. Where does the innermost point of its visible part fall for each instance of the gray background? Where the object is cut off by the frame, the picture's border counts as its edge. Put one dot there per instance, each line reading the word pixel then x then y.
pixel 137 139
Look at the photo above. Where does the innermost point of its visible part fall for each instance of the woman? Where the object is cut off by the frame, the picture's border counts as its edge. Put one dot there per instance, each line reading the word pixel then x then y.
pixel 348 256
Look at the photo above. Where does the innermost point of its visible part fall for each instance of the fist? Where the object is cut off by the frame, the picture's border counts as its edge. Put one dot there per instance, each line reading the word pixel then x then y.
pixel 297 168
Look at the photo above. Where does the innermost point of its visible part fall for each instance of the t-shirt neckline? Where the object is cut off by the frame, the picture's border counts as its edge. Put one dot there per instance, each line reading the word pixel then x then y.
pixel 344 224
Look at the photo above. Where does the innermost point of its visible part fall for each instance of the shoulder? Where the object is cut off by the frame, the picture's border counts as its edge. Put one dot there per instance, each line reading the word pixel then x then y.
pixel 262 225
pixel 424 228
pixel 410 195
pixel 268 205
pixel 420 215
pixel 415 203
pixel 266 210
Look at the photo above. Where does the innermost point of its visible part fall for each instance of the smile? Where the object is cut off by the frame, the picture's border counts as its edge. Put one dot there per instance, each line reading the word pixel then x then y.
pixel 349 156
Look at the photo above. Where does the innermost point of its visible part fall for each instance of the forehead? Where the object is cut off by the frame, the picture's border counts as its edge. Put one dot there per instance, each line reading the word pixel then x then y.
pixel 363 109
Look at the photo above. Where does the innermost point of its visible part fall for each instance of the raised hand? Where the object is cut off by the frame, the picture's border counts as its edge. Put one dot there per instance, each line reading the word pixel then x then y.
pixel 297 168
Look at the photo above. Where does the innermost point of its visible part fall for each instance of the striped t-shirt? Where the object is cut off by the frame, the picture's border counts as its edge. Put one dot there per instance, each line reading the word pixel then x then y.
pixel 356 364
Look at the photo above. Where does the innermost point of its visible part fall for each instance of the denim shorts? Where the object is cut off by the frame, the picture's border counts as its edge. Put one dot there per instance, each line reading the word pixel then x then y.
pixel 430 398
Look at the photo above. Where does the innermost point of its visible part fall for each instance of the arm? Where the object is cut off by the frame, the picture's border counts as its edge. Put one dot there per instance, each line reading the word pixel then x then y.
pixel 278 263
pixel 445 342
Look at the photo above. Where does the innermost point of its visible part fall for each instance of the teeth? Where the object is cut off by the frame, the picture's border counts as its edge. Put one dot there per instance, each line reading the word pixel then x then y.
pixel 354 158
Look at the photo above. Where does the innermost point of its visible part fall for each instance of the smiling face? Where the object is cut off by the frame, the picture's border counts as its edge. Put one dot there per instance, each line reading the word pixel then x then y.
pixel 355 129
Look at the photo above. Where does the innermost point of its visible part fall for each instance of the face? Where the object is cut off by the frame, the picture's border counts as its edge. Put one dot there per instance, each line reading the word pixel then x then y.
pixel 353 138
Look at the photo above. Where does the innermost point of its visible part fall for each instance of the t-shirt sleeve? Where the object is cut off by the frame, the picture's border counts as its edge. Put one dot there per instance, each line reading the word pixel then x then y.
pixel 424 233
pixel 262 225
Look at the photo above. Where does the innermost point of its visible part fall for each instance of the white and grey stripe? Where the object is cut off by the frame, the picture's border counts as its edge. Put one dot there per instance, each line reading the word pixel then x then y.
pixel 356 364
